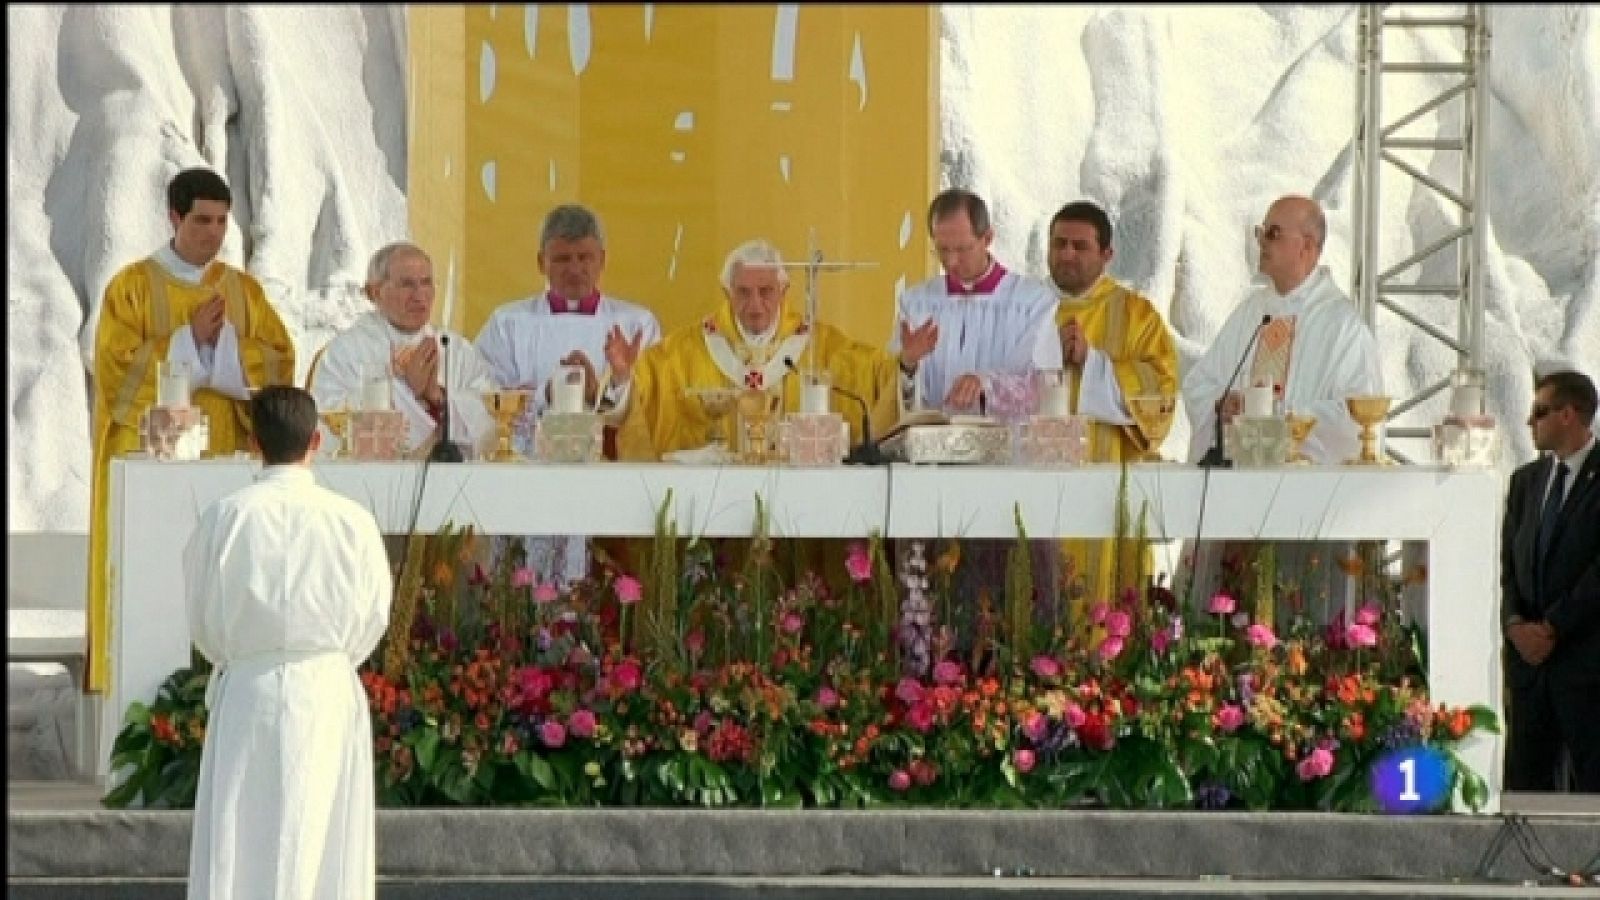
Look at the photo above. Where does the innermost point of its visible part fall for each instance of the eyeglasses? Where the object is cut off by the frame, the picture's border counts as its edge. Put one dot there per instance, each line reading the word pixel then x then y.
pixel 1269 232
pixel 1541 410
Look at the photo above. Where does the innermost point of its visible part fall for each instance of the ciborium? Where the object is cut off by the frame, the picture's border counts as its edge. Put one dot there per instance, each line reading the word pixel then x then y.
pixel 506 406
pixel 1300 426
pixel 757 409
pixel 1153 413
pixel 718 405
pixel 1368 411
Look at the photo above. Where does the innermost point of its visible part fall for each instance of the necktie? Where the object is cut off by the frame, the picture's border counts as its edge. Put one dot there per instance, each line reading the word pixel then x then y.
pixel 1552 508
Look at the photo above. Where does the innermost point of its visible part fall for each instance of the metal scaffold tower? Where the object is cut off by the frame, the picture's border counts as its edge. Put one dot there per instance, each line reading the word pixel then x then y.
pixel 1382 154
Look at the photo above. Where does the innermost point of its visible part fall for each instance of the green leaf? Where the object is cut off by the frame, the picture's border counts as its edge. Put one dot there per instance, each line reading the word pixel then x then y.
pixel 426 747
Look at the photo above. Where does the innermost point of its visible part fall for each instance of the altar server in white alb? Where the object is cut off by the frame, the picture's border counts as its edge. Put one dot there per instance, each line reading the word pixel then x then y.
pixel 288 591
pixel 978 330
pixel 397 336
pixel 571 322
pixel 1316 347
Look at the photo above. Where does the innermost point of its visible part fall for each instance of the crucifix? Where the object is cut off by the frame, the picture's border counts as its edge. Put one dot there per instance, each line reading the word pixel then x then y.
pixel 815 265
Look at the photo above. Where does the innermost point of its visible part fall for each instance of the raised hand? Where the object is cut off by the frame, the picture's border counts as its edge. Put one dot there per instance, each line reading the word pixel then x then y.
pixel 206 321
pixel 917 343
pixel 622 353
pixel 964 393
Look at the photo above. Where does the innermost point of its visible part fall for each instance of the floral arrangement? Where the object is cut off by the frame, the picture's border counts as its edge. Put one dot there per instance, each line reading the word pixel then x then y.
pixel 713 682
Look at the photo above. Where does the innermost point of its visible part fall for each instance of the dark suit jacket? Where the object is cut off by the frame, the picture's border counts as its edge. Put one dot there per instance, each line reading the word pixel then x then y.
pixel 1571 599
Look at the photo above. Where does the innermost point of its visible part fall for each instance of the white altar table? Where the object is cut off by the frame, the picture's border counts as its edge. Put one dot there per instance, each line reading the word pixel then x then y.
pixel 154 507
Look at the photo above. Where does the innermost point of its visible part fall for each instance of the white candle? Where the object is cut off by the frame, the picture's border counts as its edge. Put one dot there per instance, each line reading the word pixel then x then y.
pixel 814 399
pixel 375 394
pixel 567 397
pixel 1467 401
pixel 1258 402
pixel 172 390
pixel 1053 400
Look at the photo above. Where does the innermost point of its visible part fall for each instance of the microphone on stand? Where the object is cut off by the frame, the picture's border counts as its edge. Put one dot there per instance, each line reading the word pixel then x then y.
pixel 866 453
pixel 445 450
pixel 1217 457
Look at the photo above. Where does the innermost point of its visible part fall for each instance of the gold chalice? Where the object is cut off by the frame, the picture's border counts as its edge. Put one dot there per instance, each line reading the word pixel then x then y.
pixel 505 406
pixel 1300 426
pixel 718 404
pixel 1152 413
pixel 338 422
pixel 757 408
pixel 1368 410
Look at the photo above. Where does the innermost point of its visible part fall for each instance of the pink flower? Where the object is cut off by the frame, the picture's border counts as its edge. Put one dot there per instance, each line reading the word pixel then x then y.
pixel 1098 612
pixel 545 593
pixel 581 723
pixel 909 690
pixel 858 564
pixel 920 717
pixel 1046 667
pixel 1228 718
pixel 1119 624
pixel 827 697
pixel 522 577
pixel 1075 716
pixel 628 590
pixel 791 623
pixel 1359 635
pixel 947 672
pixel 1111 648
pixel 703 722
pixel 899 780
pixel 1036 726
pixel 1024 760
pixel 1221 605
pixel 1161 640
pixel 1368 614
pixel 553 733
pixel 1261 635
pixel 627 675
pixel 1317 764
pixel 695 642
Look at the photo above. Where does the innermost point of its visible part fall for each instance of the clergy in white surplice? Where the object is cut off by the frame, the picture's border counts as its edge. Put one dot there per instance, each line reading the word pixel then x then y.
pixel 288 592
pixel 571 323
pixel 973 336
pixel 1315 351
pixel 397 338
pixel 970 341
pixel 1316 348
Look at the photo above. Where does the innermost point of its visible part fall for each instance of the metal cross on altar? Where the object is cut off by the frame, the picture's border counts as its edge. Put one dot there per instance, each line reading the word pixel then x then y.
pixel 815 265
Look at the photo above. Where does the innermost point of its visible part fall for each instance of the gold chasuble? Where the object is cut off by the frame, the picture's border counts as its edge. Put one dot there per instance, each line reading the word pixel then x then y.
pixel 661 419
pixel 1128 329
pixel 143 307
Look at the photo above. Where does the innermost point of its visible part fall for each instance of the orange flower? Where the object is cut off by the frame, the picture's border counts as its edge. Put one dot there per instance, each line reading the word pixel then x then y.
pixel 1352 566
pixel 443 575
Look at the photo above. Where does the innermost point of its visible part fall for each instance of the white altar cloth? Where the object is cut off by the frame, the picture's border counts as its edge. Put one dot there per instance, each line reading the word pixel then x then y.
pixel 154 507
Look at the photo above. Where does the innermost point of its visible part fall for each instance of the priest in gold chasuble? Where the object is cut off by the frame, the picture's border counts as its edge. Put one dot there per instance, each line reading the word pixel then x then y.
pixel 180 304
pixel 1114 345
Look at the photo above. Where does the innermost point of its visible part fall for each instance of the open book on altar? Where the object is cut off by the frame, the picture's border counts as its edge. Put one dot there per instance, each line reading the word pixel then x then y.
pixel 927 417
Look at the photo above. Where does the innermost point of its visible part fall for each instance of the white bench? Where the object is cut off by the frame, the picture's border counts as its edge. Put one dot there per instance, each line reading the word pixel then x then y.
pixel 46 620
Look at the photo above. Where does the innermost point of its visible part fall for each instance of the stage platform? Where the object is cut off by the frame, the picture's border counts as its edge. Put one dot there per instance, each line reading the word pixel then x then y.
pixel 61 844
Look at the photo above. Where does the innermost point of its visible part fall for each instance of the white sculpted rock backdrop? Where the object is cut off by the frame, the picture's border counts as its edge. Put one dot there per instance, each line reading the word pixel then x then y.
pixel 1184 123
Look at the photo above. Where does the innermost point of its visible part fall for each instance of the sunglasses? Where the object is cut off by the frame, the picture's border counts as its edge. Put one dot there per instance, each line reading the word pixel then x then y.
pixel 1269 232
pixel 1541 410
